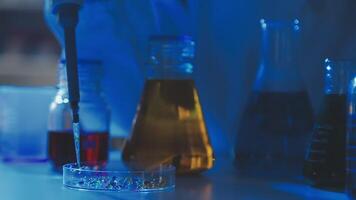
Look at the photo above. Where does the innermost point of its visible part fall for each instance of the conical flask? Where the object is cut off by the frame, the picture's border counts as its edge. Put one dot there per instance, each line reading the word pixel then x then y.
pixel 278 116
pixel 325 164
pixel 169 126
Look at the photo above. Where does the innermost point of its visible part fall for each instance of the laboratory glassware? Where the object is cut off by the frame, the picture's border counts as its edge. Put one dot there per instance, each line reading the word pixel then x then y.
pixel 117 177
pixel 169 126
pixel 95 117
pixel 325 163
pixel 278 117
pixel 23 123
pixel 351 140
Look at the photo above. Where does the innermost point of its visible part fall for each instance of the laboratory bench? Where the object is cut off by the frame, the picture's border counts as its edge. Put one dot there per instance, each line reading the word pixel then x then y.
pixel 36 181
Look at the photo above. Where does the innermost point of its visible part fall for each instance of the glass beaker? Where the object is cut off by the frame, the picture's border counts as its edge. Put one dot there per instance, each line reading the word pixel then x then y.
pixel 23 123
pixel 169 126
pixel 94 119
pixel 351 141
pixel 325 159
pixel 278 116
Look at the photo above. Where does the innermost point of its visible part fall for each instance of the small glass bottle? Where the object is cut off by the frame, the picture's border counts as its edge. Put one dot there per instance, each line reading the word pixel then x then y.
pixel 169 126
pixel 278 116
pixel 94 118
pixel 325 159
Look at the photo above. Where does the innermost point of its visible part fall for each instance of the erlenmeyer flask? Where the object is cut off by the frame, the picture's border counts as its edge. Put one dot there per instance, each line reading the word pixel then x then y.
pixel 169 125
pixel 278 116
pixel 325 163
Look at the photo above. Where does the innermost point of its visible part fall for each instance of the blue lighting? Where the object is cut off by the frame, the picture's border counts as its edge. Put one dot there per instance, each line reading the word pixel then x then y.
pixel 308 192
pixel 296 24
pixel 187 67
pixel 263 23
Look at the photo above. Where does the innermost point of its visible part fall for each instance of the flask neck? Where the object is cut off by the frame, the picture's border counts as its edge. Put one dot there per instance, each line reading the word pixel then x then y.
pixel 338 75
pixel 279 43
pixel 278 71
pixel 90 76
pixel 171 57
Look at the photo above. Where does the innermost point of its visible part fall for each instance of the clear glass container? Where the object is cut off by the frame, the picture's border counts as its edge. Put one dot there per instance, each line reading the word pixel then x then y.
pixel 117 177
pixel 278 116
pixel 94 118
pixel 325 159
pixel 23 123
pixel 169 127
pixel 351 141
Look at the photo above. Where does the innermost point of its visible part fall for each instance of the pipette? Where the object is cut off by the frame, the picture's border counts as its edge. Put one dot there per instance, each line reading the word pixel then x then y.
pixel 67 11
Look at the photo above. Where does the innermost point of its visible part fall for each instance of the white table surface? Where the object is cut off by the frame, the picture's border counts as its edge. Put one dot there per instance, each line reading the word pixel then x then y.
pixel 37 182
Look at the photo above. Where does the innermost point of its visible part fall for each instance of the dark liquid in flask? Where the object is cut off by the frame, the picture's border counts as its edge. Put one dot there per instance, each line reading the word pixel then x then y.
pixel 325 162
pixel 169 128
pixel 351 156
pixel 274 129
pixel 93 148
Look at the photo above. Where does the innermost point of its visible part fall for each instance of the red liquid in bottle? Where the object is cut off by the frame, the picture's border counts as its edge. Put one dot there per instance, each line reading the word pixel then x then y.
pixel 93 148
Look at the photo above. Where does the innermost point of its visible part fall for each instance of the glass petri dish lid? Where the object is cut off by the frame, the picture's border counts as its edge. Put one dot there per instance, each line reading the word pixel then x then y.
pixel 119 177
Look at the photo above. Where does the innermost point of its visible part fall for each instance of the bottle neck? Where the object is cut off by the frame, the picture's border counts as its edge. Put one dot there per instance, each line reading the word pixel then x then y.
pixel 338 75
pixel 171 57
pixel 90 75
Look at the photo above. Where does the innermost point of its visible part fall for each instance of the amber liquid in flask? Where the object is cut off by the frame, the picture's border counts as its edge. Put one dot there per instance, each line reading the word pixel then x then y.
pixel 169 127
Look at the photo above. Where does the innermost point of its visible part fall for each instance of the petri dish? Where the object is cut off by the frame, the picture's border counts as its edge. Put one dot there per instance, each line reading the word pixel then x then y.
pixel 119 177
